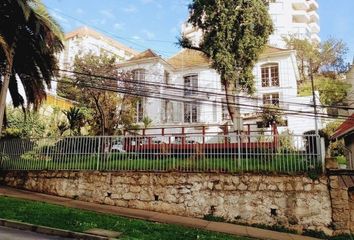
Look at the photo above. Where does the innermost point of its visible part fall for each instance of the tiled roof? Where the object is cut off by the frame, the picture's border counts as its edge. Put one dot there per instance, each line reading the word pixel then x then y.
pixel 85 31
pixel 144 55
pixel 272 50
pixel 346 128
pixel 188 58
pixel 191 58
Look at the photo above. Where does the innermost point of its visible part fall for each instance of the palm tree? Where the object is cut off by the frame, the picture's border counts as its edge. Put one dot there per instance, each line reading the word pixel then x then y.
pixel 76 120
pixel 29 40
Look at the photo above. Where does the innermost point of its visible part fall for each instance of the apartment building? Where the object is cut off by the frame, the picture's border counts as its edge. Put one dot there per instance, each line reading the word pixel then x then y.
pixel 298 18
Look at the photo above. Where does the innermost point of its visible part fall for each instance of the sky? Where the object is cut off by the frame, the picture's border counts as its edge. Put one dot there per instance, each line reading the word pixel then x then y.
pixel 155 24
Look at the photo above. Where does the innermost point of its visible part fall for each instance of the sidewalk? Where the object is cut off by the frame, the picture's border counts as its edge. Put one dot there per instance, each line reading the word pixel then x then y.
pixel 228 228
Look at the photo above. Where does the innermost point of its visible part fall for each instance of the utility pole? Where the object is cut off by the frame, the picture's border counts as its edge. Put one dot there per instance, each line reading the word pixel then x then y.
pixel 314 99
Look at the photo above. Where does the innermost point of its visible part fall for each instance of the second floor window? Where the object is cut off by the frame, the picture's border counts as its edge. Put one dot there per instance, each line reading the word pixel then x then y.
pixel 139 74
pixel 190 84
pixel 271 99
pixel 270 75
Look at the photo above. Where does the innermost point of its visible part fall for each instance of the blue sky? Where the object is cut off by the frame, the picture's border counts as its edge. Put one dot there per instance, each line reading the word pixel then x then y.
pixel 155 24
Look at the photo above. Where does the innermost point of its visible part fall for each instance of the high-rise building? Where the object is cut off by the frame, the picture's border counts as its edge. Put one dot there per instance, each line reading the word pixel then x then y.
pixel 298 18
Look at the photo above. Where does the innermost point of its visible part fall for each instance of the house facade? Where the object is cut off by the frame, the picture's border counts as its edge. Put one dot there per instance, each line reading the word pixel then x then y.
pixel 185 92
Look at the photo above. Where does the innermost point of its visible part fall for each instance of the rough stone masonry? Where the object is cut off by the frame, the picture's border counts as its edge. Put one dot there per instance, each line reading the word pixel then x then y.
pixel 296 202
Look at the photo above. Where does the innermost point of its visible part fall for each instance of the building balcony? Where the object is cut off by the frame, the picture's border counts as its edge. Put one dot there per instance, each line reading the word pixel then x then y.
pixel 313 4
pixel 315 38
pixel 300 5
pixel 301 16
pixel 314 17
pixel 315 28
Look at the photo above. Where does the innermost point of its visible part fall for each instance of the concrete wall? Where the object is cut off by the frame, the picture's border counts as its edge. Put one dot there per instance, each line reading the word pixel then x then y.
pixel 293 201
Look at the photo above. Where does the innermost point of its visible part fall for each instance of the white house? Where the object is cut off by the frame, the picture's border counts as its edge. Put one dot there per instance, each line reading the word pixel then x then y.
pixel 185 91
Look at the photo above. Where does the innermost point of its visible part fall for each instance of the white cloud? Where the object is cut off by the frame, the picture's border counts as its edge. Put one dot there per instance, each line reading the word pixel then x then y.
pixel 107 13
pixel 130 9
pixel 136 37
pixel 149 35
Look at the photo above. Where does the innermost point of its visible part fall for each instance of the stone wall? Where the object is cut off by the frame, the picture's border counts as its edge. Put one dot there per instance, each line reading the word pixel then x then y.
pixel 351 207
pixel 293 201
pixel 342 206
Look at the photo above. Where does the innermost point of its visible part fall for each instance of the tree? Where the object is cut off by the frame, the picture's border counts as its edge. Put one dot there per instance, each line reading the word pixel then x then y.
pixel 332 91
pixel 76 120
pixel 28 124
pixel 29 40
pixel 234 35
pixel 327 58
pixel 93 85
pixel 272 115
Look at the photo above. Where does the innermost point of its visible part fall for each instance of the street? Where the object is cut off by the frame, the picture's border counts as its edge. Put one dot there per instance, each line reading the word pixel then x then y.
pixel 15 234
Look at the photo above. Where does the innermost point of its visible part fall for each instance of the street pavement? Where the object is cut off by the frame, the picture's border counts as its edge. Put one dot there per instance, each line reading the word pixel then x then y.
pixel 15 234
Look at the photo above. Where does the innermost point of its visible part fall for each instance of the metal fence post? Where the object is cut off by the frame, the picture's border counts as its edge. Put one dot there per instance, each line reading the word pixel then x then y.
pixel 99 153
pixel 323 154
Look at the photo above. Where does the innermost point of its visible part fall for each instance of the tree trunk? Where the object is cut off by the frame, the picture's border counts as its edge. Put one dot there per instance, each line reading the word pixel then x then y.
pixel 4 89
pixel 233 105
pixel 103 125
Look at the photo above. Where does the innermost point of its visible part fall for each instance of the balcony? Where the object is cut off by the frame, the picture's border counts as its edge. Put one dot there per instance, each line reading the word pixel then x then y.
pixel 313 4
pixel 315 28
pixel 315 38
pixel 300 5
pixel 301 16
pixel 314 17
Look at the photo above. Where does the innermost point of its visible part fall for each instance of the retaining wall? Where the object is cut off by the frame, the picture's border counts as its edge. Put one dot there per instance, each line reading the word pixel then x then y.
pixel 293 201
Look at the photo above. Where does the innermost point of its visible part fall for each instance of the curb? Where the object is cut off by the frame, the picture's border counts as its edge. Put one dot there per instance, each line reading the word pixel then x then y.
pixel 49 230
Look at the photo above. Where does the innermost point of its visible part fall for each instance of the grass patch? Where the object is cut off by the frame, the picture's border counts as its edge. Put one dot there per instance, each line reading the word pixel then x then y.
pixel 275 162
pixel 79 220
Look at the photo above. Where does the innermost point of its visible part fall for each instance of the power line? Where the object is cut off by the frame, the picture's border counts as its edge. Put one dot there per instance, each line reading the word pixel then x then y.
pixel 193 100
pixel 147 83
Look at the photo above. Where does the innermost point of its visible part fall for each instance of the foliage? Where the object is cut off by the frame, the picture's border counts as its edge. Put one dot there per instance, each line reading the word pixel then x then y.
pixel 21 124
pixel 235 33
pixel 327 58
pixel 272 114
pixel 332 91
pixel 30 39
pixel 341 159
pixel 44 214
pixel 337 148
pixel 286 142
pixel 109 110
pixel 213 218
pixel 76 120
pixel 147 121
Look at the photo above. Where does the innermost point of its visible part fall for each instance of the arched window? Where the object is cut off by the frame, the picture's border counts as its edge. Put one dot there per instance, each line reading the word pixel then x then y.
pixel 270 75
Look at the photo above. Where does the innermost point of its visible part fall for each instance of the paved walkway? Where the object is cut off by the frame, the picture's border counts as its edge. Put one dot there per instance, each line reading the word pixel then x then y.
pixel 154 216
pixel 15 234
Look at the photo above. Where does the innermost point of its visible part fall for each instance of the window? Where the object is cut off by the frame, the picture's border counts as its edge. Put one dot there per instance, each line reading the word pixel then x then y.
pixel 166 77
pixel 190 85
pixel 271 99
pixel 139 74
pixel 270 75
pixel 190 88
pixel 190 113
pixel 140 110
